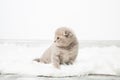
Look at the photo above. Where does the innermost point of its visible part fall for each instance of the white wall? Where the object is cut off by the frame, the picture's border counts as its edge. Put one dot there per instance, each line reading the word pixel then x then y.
pixel 37 19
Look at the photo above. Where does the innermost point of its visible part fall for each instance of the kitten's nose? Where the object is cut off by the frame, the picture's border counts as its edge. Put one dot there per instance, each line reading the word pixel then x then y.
pixel 55 41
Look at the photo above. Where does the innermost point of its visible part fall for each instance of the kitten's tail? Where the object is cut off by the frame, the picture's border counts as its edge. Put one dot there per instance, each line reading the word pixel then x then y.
pixel 37 60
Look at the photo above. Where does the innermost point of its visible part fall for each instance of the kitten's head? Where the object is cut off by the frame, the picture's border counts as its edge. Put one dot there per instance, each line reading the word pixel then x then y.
pixel 64 37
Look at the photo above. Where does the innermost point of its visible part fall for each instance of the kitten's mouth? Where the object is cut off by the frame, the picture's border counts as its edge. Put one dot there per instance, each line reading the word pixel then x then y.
pixel 69 46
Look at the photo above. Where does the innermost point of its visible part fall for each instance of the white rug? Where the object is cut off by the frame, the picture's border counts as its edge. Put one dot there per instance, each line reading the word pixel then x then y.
pixel 91 60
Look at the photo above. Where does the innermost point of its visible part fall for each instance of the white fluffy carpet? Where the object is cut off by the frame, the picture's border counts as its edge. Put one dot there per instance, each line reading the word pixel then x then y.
pixel 91 60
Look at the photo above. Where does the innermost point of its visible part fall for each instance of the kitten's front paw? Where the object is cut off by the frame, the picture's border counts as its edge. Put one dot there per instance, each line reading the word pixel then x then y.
pixel 69 63
pixel 56 66
pixel 37 59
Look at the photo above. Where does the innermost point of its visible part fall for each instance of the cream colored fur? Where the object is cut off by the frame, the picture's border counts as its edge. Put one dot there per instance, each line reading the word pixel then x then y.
pixel 64 50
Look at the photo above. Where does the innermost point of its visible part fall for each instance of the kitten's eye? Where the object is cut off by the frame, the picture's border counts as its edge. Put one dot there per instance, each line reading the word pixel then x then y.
pixel 66 35
pixel 58 38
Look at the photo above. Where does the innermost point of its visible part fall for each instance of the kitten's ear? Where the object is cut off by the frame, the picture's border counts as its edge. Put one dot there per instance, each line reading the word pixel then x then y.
pixel 67 34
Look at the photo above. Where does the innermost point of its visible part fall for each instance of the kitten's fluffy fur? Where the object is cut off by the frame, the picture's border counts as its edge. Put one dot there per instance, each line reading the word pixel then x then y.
pixel 64 50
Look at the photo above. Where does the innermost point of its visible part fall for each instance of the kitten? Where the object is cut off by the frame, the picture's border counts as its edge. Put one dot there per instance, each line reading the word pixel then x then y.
pixel 64 49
